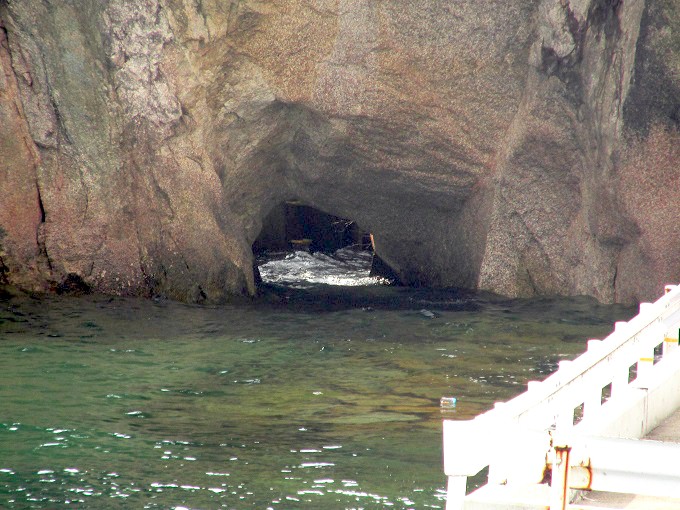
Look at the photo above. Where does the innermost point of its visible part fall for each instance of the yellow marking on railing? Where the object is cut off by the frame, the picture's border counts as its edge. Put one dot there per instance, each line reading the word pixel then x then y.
pixel 648 360
pixel 671 340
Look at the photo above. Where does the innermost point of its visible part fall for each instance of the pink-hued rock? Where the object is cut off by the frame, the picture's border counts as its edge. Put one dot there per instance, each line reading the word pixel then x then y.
pixel 510 145
pixel 21 249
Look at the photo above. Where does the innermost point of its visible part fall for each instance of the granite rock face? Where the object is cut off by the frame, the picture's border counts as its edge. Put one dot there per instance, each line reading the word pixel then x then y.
pixel 525 147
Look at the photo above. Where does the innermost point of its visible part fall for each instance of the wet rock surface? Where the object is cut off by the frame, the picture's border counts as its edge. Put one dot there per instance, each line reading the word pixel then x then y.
pixel 512 146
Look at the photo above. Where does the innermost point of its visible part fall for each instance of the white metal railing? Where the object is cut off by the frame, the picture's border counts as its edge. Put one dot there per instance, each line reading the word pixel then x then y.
pixel 648 468
pixel 621 387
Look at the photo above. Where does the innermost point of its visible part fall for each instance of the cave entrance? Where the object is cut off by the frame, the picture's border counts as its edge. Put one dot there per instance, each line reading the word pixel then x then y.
pixel 300 245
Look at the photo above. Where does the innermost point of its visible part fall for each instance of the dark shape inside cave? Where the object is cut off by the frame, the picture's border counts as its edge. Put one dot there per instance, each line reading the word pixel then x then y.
pixel 293 225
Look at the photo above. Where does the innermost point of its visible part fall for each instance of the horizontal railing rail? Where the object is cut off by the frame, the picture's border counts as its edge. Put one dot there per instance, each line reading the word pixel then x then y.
pixel 616 388
pixel 626 466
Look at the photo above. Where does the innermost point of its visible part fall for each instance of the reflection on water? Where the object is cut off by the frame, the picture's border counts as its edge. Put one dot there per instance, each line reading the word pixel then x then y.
pixel 324 398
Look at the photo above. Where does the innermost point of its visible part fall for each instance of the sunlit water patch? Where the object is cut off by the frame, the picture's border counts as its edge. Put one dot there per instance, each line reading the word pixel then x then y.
pixel 300 269
pixel 318 400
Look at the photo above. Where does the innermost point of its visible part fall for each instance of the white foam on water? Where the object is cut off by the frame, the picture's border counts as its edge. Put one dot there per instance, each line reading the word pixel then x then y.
pixel 346 267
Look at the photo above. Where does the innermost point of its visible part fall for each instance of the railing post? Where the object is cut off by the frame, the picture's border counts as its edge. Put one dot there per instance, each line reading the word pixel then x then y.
pixel 670 344
pixel 619 381
pixel 645 364
pixel 455 492
pixel 559 485
pixel 592 401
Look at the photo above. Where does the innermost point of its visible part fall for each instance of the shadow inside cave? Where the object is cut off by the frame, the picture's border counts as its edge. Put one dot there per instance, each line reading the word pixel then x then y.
pixel 293 225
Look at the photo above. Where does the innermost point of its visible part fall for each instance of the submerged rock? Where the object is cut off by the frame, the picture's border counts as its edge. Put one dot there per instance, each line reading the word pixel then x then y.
pixel 525 147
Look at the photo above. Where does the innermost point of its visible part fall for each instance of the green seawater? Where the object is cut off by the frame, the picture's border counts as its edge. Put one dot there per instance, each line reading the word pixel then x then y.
pixel 325 399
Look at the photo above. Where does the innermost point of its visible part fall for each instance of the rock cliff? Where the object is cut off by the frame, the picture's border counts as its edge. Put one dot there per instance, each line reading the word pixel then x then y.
pixel 522 146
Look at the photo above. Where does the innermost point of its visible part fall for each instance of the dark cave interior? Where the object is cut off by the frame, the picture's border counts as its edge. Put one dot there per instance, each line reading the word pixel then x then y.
pixel 293 225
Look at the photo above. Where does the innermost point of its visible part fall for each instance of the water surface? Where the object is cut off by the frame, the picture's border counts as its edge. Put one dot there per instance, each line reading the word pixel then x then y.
pixel 323 397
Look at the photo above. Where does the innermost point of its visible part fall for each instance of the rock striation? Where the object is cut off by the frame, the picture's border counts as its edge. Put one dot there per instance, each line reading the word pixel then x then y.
pixel 528 147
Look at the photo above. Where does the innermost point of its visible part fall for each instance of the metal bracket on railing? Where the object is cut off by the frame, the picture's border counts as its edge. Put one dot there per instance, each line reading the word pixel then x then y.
pixel 629 466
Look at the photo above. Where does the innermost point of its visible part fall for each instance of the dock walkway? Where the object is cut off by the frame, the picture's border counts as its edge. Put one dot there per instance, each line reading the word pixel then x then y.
pixel 668 430
pixel 603 431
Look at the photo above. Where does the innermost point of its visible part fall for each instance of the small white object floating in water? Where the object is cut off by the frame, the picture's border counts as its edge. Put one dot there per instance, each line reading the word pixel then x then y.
pixel 448 402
